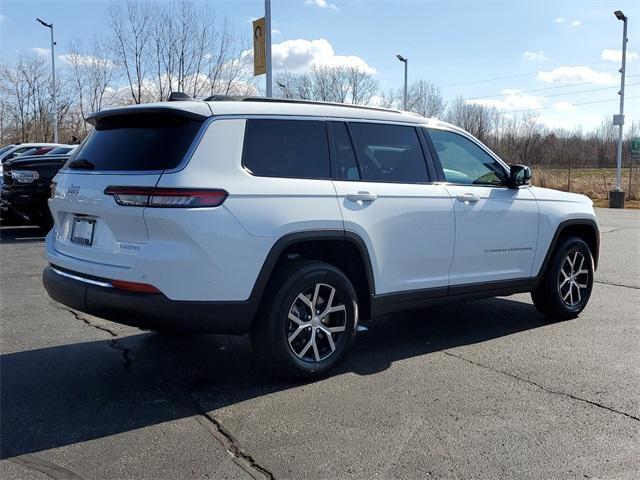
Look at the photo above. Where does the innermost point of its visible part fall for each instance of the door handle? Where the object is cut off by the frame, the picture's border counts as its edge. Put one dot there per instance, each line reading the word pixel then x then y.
pixel 361 197
pixel 468 198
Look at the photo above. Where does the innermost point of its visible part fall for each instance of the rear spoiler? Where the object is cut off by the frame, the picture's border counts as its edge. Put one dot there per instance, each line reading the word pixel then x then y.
pixel 96 117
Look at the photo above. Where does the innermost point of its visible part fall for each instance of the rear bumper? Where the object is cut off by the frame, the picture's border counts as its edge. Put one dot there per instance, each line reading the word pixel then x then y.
pixel 152 311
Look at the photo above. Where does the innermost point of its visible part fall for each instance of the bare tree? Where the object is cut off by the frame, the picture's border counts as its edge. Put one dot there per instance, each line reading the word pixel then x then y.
pixel 474 118
pixel 362 86
pixel 341 84
pixel 425 98
pixel 131 31
pixel 92 71
pixel 27 90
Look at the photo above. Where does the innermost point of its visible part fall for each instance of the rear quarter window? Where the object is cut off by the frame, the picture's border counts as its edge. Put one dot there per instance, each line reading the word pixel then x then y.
pixel 138 142
pixel 286 148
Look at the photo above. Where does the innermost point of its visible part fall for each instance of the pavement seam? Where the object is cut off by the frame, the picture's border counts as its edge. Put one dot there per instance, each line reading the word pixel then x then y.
pixel 616 284
pixel 541 387
pixel 223 437
pixel 113 342
pixel 31 462
pixel 213 426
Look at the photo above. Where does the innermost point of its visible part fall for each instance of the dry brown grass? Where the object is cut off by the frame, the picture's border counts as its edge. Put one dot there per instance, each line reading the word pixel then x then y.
pixel 593 182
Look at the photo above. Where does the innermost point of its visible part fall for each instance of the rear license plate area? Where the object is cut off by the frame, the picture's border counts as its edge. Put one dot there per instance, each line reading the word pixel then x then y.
pixel 82 231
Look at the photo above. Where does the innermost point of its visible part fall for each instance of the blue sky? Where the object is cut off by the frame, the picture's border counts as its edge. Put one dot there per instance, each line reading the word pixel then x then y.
pixel 546 46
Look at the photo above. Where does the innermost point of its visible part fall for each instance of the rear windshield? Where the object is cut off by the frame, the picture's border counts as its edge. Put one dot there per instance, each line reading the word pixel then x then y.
pixel 138 142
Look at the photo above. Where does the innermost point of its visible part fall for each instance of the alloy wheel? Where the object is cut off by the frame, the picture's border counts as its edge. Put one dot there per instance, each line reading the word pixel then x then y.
pixel 573 279
pixel 316 325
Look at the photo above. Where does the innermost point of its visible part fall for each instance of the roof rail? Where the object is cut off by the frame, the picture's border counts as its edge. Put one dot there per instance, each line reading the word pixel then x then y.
pixel 240 98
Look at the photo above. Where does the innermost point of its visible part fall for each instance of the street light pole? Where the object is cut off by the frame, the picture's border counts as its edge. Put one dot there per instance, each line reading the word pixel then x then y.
pixel 54 113
pixel 267 24
pixel 406 63
pixel 616 197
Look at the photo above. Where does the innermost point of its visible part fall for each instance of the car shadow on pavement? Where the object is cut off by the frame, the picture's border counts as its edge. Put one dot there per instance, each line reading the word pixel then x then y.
pixel 57 396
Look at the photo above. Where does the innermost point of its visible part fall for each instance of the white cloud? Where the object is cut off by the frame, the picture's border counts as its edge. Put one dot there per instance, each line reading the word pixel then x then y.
pixel 616 55
pixel 534 56
pixel 275 31
pixel 559 20
pixel 2 18
pixel 74 58
pixel 564 107
pixel 557 123
pixel 41 52
pixel 322 4
pixel 576 23
pixel 513 100
pixel 577 74
pixel 300 55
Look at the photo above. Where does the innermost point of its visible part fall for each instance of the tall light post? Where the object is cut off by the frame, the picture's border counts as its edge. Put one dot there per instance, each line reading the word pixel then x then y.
pixel 616 197
pixel 406 63
pixel 54 113
pixel 267 24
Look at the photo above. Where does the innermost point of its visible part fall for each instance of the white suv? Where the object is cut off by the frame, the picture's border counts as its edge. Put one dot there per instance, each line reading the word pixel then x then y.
pixel 292 220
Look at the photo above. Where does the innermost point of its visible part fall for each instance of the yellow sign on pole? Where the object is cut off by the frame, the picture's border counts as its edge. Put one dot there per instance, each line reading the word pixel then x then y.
pixel 259 47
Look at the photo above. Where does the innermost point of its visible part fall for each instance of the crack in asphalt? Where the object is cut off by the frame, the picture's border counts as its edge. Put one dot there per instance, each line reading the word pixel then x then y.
pixel 222 436
pixel 31 462
pixel 113 342
pixel 616 284
pixel 210 423
pixel 239 457
pixel 542 387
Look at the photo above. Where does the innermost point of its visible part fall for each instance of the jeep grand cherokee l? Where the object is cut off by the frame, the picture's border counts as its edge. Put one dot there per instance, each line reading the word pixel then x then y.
pixel 293 220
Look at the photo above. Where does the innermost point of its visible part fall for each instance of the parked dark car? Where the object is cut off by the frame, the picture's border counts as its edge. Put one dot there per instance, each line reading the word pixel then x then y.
pixel 26 187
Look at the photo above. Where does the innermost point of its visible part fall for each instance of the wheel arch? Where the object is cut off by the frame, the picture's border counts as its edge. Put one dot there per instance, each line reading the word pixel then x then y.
pixel 584 228
pixel 345 250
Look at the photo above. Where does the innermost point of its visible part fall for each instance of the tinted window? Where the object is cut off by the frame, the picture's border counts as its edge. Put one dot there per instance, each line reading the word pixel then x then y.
pixel 138 142
pixel 464 162
pixel 5 149
pixel 18 151
pixel 389 153
pixel 286 148
pixel 344 157
pixel 58 151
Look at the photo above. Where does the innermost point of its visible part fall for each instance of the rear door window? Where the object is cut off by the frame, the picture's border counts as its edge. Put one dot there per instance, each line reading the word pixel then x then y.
pixel 138 142
pixel 286 148
pixel 389 153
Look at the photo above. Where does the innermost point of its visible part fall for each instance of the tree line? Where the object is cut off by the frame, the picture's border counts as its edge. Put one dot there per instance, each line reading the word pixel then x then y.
pixel 153 49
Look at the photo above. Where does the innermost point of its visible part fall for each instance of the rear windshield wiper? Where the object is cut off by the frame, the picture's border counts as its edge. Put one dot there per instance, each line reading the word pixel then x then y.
pixel 81 164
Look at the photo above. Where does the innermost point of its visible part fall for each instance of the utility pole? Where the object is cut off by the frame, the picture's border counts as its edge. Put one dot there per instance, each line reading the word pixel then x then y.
pixel 616 197
pixel 54 113
pixel 406 63
pixel 267 21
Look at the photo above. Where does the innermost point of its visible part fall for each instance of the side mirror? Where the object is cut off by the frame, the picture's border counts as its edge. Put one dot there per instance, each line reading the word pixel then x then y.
pixel 519 175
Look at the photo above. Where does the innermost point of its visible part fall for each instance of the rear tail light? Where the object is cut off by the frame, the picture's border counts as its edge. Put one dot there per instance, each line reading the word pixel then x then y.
pixel 24 176
pixel 167 197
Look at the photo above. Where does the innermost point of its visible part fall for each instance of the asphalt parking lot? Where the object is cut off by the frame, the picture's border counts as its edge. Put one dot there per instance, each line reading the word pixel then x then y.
pixel 483 389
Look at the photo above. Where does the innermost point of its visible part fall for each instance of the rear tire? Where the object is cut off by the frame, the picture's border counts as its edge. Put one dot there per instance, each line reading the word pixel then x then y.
pixel 307 322
pixel 566 285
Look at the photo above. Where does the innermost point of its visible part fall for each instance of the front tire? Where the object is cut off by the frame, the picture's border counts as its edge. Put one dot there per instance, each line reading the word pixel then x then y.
pixel 307 322
pixel 566 285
